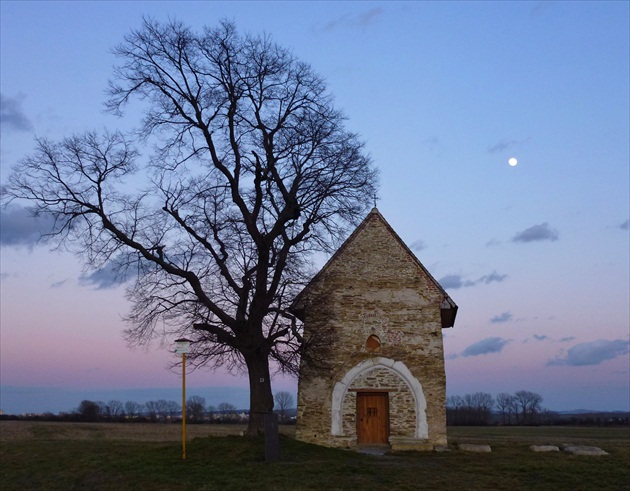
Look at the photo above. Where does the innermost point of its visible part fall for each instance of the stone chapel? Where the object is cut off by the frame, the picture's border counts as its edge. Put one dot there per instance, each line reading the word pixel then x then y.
pixel 385 382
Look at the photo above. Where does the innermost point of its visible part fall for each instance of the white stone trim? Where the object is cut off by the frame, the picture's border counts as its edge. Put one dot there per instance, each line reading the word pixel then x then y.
pixel 341 388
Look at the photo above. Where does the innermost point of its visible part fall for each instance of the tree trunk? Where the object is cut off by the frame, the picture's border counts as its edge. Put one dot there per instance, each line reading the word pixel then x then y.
pixel 261 397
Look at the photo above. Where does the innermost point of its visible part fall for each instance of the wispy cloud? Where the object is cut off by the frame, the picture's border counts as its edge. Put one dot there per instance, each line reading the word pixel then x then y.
pixel 540 337
pixel 361 19
pixel 18 227
pixel 505 145
pixel 536 233
pixel 493 243
pixel 109 276
pixel 567 339
pixel 418 245
pixel 12 116
pixel 592 353
pixel 4 275
pixel 625 225
pixel 59 284
pixel 455 281
pixel 493 277
pixel 503 317
pixel 486 346
pixel 451 282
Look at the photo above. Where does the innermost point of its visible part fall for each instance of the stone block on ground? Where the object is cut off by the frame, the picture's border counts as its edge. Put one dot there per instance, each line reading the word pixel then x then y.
pixel 583 450
pixel 544 448
pixel 473 447
pixel 441 448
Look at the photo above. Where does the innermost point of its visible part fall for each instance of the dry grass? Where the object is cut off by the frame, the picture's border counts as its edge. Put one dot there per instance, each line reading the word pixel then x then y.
pixel 541 435
pixel 136 456
pixel 140 432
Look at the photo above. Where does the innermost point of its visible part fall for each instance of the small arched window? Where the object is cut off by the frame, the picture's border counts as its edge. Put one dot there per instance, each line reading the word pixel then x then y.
pixel 373 344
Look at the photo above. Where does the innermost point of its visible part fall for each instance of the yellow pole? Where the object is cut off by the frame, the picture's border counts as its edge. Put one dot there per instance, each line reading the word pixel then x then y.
pixel 184 406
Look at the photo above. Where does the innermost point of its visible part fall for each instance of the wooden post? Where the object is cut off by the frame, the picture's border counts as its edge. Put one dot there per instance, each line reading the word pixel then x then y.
pixel 272 441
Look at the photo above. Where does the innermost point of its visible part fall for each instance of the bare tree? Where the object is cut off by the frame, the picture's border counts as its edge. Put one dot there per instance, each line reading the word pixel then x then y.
pixel 477 408
pixel 454 402
pixel 89 411
pixel 115 409
pixel 173 409
pixel 472 409
pixel 529 404
pixel 454 410
pixel 284 401
pixel 102 409
pixel 227 411
pixel 547 416
pixel 132 409
pixel 505 404
pixel 152 410
pixel 252 172
pixel 162 409
pixel 195 408
pixel 514 410
pixel 483 403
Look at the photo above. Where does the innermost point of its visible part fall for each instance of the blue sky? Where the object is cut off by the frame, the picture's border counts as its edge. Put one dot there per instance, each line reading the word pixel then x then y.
pixel 444 93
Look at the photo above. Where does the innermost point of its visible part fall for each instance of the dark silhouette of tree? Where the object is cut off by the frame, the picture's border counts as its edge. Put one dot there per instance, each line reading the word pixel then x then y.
pixel 115 410
pixel 528 404
pixel 162 409
pixel 454 406
pixel 173 410
pixel 195 408
pixel 102 409
pixel 505 405
pixel 253 171
pixel 227 412
pixel 481 404
pixel 284 402
pixel 89 411
pixel 522 408
pixel 133 409
pixel 472 409
pixel 152 410
pixel 514 411
pixel 547 416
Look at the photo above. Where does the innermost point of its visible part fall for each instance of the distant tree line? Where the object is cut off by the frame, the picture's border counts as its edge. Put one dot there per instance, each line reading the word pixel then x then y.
pixel 160 410
pixel 521 408
pixel 197 411
pixel 477 409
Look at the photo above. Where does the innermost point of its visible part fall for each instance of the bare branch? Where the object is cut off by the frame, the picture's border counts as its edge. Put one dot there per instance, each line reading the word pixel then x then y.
pixel 252 172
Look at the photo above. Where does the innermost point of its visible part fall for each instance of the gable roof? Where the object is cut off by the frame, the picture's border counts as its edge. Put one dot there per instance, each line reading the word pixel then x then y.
pixel 448 308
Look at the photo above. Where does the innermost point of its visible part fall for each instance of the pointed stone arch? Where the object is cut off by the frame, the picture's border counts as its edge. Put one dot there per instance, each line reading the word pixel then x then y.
pixel 341 388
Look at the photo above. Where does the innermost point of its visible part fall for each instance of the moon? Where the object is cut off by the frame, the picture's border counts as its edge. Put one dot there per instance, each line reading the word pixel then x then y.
pixel 512 161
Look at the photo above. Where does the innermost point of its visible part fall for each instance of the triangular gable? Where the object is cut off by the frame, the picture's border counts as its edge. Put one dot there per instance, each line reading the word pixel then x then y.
pixel 447 306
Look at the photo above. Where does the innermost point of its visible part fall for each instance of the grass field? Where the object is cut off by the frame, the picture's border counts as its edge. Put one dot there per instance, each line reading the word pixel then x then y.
pixel 78 456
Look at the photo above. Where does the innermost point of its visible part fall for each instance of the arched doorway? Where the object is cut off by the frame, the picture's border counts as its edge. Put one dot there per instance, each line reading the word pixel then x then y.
pixel 342 388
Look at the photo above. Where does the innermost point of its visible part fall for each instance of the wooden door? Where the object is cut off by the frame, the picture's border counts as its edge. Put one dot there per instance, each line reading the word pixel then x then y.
pixel 373 418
